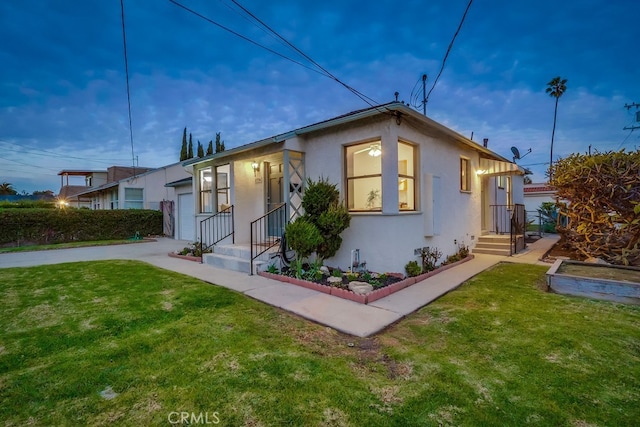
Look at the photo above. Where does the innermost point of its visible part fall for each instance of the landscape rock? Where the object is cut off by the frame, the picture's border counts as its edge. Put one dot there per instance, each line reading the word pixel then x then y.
pixel 360 288
pixel 325 270
pixel 332 280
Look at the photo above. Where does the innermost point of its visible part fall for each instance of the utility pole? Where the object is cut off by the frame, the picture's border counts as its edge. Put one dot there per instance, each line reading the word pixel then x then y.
pixel 424 94
pixel 628 107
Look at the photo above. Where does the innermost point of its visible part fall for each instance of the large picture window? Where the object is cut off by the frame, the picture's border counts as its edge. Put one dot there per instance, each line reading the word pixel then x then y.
pixel 133 198
pixel 364 176
pixel 406 177
pixel 205 191
pixel 465 174
pixel 222 187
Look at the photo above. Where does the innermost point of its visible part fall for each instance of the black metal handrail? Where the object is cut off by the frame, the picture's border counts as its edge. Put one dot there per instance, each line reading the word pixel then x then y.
pixel 217 227
pixel 518 228
pixel 266 231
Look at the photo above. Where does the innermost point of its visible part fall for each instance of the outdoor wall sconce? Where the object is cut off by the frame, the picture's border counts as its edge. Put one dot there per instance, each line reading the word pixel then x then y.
pixel 256 168
pixel 481 172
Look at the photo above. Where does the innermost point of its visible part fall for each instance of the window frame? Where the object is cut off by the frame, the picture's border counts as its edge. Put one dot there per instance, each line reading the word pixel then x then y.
pixel 113 200
pixel 407 176
pixel 465 174
pixel 205 208
pixel 128 201
pixel 223 190
pixel 349 179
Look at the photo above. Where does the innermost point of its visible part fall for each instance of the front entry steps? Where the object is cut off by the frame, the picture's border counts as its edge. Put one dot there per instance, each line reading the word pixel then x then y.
pixel 236 258
pixel 493 244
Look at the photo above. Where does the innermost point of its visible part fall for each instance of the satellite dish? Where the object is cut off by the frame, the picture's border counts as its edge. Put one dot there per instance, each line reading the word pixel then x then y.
pixel 516 153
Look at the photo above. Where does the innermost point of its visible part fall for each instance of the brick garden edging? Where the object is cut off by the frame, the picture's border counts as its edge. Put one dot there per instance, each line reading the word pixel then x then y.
pixel 187 257
pixel 362 299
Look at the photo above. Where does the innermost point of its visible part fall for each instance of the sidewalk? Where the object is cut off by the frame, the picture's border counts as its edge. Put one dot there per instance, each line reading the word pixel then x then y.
pixel 340 314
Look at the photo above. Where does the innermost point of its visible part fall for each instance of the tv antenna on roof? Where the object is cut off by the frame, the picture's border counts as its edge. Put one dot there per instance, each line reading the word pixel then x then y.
pixel 516 153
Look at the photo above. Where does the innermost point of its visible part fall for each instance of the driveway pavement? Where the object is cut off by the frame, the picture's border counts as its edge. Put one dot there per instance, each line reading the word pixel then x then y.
pixel 343 315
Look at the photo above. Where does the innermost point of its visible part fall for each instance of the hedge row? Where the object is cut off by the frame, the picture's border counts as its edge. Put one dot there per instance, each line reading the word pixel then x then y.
pixel 43 226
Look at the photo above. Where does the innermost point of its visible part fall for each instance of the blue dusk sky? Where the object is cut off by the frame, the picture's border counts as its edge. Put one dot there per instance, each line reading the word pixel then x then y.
pixel 63 97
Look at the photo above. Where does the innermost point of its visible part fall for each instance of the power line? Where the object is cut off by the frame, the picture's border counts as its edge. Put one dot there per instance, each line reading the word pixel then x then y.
pixel 444 60
pixel 360 95
pixel 126 71
pixel 247 39
pixel 47 153
pixel 625 139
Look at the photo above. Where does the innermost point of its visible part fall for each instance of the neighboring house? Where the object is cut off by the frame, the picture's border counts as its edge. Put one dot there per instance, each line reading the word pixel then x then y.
pixel 146 188
pixel 408 182
pixel 70 192
pixel 535 194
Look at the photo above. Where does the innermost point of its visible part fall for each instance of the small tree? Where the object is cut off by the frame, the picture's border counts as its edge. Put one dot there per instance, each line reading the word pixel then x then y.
pixel 322 207
pixel 603 209
pixel 200 150
pixel 190 148
pixel 210 148
pixel 183 149
pixel 219 143
pixel 304 238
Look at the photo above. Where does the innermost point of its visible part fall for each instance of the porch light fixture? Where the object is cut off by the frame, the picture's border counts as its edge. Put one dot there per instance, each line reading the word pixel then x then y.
pixel 374 150
pixel 256 168
pixel 481 172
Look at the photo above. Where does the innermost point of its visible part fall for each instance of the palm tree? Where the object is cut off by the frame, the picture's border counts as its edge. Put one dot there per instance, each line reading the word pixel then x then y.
pixel 7 189
pixel 555 88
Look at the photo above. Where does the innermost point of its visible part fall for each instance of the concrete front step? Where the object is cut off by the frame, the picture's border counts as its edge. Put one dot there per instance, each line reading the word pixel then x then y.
pixel 494 238
pixel 501 252
pixel 236 258
pixel 493 245
pixel 232 263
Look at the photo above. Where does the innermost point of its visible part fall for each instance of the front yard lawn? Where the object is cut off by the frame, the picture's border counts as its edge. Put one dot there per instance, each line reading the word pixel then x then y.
pixel 125 343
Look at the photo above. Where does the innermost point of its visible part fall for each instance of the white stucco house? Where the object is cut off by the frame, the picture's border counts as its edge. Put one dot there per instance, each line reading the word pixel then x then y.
pixel 167 188
pixel 408 182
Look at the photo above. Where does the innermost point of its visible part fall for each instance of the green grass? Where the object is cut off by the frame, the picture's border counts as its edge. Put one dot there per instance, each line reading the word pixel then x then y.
pixel 68 245
pixel 497 351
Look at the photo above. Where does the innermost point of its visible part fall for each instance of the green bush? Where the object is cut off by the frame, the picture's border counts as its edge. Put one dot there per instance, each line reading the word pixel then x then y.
pixel 303 237
pixel 413 268
pixel 321 203
pixel 43 226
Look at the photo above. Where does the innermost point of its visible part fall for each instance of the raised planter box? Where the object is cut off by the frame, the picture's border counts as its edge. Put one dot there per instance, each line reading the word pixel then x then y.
pixel 561 278
pixel 362 299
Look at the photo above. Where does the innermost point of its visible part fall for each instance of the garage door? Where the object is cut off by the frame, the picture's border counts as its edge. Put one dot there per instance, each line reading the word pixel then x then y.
pixel 186 218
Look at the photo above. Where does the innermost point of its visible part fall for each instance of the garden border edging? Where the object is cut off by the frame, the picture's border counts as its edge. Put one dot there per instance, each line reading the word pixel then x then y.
pixel 362 299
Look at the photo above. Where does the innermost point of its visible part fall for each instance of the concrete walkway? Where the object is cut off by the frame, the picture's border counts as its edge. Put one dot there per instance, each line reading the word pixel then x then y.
pixel 343 315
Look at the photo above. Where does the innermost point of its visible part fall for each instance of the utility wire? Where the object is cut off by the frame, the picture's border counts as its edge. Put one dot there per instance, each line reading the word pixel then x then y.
pixel 625 140
pixel 126 70
pixel 360 95
pixel 444 60
pixel 48 153
pixel 247 39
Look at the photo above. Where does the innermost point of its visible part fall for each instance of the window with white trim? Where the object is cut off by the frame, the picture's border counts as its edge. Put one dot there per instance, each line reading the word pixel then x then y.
pixel 113 202
pixel 406 177
pixel 222 187
pixel 465 174
pixel 206 202
pixel 133 198
pixel 364 176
